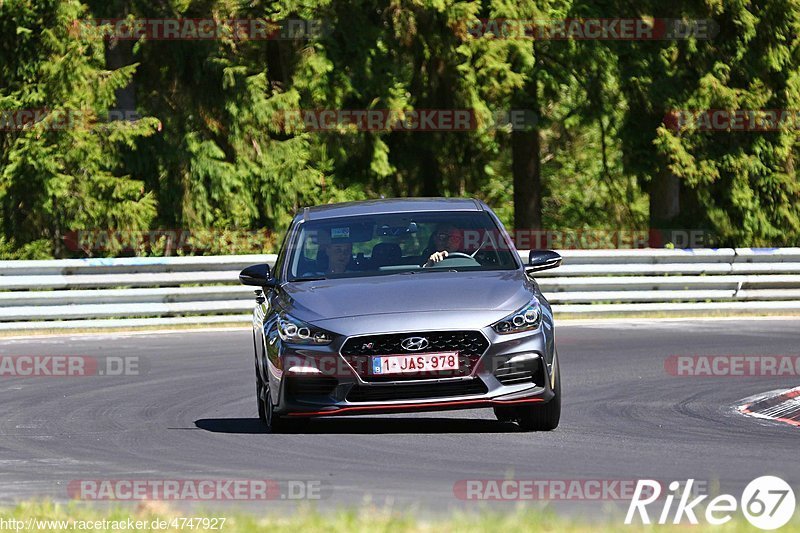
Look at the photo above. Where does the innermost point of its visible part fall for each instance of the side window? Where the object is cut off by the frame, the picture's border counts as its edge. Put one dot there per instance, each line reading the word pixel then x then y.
pixel 281 260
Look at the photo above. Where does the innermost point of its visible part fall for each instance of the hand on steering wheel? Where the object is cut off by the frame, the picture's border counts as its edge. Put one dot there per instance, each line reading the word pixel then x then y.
pixel 440 256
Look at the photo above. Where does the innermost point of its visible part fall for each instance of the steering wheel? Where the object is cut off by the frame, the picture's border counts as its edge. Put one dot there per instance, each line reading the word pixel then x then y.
pixel 450 255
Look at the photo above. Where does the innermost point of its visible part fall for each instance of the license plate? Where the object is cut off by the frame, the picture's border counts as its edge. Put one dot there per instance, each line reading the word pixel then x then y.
pixel 414 364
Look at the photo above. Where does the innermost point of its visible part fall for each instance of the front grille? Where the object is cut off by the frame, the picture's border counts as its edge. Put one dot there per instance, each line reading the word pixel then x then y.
pixel 470 345
pixel 528 371
pixel 310 385
pixel 415 391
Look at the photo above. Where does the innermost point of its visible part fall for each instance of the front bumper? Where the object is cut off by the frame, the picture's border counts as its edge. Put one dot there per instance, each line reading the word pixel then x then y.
pixel 309 385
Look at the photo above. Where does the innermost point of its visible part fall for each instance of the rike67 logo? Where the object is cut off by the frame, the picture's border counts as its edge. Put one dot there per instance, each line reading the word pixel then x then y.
pixel 767 502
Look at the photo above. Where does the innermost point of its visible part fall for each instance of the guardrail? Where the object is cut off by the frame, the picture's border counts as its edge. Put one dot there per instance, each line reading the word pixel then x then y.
pixel 131 292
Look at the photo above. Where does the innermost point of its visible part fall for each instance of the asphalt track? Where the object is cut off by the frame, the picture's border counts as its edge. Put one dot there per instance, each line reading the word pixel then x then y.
pixel 192 415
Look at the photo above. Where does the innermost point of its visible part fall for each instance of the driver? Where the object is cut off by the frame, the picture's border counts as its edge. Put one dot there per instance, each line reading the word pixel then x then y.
pixel 446 239
pixel 339 256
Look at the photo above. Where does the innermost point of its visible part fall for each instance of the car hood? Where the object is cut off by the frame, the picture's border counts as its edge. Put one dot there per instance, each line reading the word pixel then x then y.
pixel 484 295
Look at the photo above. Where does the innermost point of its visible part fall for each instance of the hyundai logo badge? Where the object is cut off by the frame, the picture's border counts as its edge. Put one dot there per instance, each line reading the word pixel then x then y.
pixel 414 344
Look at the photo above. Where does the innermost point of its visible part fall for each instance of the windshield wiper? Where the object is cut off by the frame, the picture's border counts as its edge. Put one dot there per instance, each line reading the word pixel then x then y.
pixel 431 269
pixel 310 278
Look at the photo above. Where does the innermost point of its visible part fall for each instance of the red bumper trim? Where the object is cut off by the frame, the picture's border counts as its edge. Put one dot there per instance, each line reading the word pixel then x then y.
pixel 413 406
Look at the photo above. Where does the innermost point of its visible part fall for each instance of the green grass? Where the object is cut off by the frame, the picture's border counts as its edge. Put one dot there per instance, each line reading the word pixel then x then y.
pixel 349 521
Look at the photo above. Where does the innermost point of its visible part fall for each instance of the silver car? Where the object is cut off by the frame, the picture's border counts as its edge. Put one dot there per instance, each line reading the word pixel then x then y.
pixel 402 305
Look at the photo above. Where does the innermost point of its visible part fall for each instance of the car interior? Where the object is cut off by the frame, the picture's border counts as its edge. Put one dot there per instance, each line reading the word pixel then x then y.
pixel 398 245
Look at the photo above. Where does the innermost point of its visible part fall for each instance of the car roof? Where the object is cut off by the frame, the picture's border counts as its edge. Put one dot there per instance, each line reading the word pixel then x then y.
pixel 390 205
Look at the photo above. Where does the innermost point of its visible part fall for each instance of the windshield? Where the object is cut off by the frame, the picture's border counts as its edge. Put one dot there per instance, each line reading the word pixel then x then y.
pixel 398 243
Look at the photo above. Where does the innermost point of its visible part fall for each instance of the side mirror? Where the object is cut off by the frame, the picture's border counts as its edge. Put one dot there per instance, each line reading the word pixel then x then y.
pixel 539 260
pixel 257 275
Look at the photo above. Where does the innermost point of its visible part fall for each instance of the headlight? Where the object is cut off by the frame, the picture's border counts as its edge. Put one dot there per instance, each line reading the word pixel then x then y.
pixel 527 318
pixel 296 331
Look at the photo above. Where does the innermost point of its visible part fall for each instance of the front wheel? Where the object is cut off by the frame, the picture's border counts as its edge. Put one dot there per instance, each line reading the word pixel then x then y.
pixel 263 400
pixel 542 417
pixel 266 411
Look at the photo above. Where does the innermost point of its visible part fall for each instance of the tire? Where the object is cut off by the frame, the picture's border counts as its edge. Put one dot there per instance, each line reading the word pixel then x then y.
pixel 542 417
pixel 266 411
pixel 261 400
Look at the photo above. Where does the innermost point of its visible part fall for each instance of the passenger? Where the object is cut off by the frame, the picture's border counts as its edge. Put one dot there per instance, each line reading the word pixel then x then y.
pixel 333 257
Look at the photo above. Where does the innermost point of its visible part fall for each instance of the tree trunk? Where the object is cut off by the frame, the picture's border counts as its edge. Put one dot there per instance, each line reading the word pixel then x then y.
pixel 525 152
pixel 431 174
pixel 526 164
pixel 120 54
pixel 665 203
pixel 665 210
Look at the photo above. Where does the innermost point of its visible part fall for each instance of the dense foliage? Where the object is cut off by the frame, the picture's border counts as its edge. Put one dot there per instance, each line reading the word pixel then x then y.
pixel 193 134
